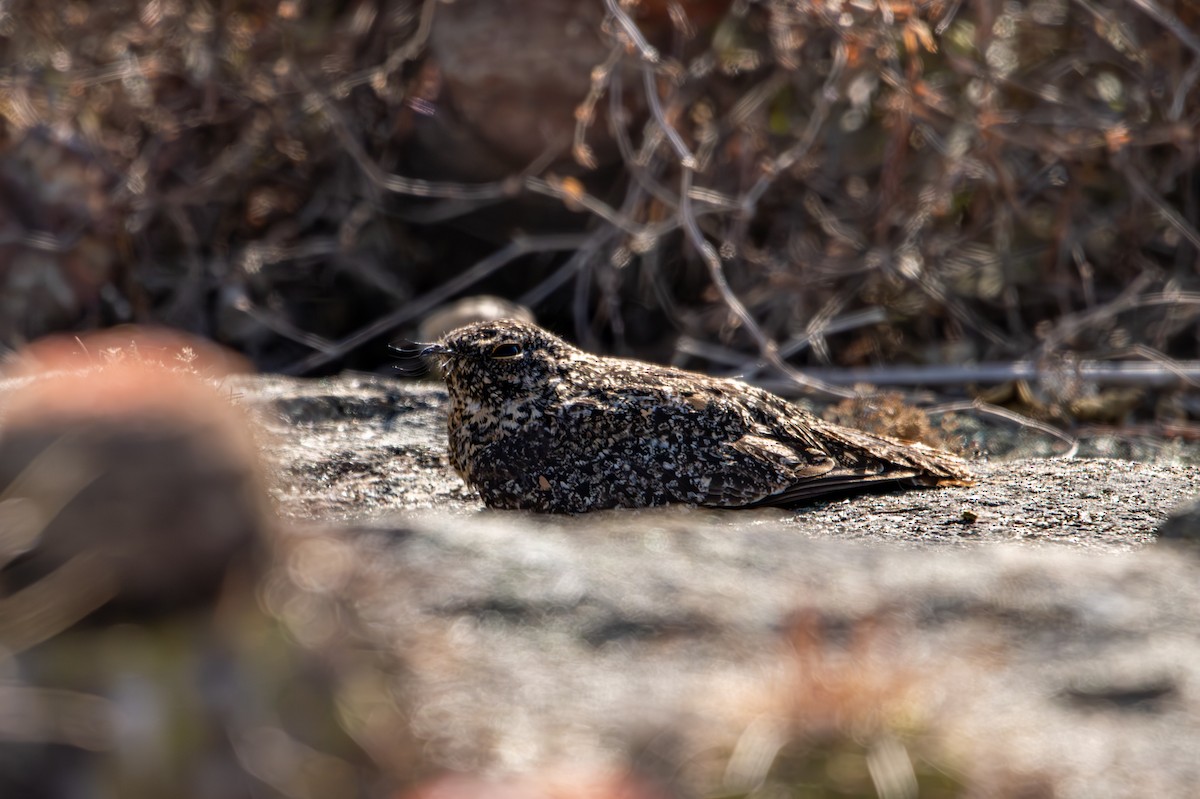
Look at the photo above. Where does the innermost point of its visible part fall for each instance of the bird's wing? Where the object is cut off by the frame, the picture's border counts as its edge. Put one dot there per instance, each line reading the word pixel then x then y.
pixel 741 458
pixel 858 447
pixel 836 483
pixel 749 469
pixel 758 476
pixel 773 467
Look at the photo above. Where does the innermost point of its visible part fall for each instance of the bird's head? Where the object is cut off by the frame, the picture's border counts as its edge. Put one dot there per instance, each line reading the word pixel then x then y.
pixel 494 359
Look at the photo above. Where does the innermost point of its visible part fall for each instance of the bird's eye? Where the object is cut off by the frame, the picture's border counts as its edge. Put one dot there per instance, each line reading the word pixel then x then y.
pixel 507 350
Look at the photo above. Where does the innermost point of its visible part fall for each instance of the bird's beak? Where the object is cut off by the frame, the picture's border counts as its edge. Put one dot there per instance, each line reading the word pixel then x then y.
pixel 412 355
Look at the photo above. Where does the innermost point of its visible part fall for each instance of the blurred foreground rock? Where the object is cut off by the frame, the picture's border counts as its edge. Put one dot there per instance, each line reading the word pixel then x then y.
pixel 116 453
pixel 135 659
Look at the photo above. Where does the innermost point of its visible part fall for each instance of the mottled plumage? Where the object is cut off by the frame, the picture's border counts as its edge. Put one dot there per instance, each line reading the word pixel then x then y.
pixel 537 423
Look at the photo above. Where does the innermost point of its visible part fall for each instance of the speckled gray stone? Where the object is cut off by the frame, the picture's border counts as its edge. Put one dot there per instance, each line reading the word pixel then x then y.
pixel 536 423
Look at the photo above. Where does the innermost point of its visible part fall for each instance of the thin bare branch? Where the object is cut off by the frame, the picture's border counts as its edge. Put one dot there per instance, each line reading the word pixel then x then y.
pixel 979 406
pixel 1171 22
pixel 1176 220
pixel 431 299
pixel 645 50
pixel 716 272
pixel 816 121
pixel 1111 373
pixel 686 159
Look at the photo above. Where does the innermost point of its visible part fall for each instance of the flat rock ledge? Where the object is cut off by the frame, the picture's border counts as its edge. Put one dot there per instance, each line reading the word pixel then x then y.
pixel 1028 633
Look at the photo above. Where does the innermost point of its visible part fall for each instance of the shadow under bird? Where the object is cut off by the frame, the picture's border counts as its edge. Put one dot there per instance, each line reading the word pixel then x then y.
pixel 537 423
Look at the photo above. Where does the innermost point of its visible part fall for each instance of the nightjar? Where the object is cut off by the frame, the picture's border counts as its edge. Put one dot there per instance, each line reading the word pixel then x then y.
pixel 539 424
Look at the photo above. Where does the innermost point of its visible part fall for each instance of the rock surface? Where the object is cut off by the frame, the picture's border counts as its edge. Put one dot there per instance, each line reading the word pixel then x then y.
pixel 1036 639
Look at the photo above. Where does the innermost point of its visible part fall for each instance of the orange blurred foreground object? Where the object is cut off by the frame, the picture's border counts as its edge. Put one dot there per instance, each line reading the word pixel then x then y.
pixel 555 785
pixel 126 477
pixel 133 523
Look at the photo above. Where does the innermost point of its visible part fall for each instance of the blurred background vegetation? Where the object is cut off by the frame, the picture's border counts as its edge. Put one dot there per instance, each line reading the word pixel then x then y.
pixel 855 183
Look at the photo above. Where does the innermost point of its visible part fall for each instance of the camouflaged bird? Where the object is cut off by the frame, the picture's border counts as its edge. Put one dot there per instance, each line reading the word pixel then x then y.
pixel 536 423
